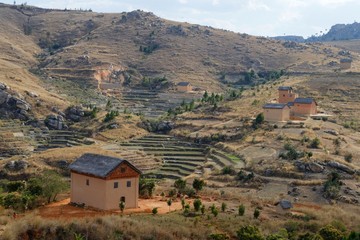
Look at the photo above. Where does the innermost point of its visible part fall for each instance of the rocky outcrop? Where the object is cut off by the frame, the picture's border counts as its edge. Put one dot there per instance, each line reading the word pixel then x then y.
pixel 312 167
pixel 55 122
pixel 340 167
pixel 75 113
pixel 17 165
pixel 158 126
pixel 12 105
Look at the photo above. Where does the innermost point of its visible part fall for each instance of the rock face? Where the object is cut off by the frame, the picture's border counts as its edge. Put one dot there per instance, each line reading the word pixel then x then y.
pixel 341 167
pixel 161 127
pixel 17 165
pixel 12 105
pixel 55 122
pixel 75 113
pixel 309 167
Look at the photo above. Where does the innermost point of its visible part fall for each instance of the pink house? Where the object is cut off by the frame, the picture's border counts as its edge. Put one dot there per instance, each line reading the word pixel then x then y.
pixel 102 182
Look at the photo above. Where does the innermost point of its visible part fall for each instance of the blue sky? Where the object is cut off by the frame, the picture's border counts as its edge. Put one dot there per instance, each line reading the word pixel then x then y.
pixel 255 17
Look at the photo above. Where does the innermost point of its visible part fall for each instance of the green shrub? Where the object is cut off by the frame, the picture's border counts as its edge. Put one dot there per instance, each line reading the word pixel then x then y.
pixel 190 192
pixel 146 187
pixel 310 236
pixel 348 157
pixel 241 210
pixel 197 204
pixel 228 170
pixel 111 115
pixel 218 236
pixel 249 233
pixel 198 184
pixel 256 213
pixel 180 184
pixel 315 143
pixel 154 211
pixel 330 233
pixel 332 186
pixel 223 207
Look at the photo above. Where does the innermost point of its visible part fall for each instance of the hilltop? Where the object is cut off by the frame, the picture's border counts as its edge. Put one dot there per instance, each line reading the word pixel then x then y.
pixel 338 32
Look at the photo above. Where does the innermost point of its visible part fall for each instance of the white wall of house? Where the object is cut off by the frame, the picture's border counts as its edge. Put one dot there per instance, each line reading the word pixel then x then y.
pixel 101 193
pixel 113 195
pixel 92 195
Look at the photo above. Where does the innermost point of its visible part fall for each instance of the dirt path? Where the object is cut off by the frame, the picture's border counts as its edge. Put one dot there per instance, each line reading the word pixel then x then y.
pixel 64 210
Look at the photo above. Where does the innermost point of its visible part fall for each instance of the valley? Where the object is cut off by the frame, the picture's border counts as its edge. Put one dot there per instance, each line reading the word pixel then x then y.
pixel 76 82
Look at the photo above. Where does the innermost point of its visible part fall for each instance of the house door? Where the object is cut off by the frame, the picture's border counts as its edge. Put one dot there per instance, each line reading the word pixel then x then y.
pixel 122 199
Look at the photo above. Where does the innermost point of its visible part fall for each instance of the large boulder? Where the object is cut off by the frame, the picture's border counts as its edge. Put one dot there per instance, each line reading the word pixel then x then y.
pixel 4 96
pixel 3 86
pixel 75 113
pixel 55 122
pixel 312 167
pixel 17 165
pixel 285 204
pixel 341 167
pixel 21 104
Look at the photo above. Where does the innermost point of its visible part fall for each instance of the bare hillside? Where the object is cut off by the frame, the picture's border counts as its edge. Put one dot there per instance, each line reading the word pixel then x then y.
pixel 123 48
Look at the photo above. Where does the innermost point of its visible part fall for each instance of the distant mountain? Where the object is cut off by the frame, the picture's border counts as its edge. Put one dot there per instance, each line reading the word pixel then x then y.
pixel 337 32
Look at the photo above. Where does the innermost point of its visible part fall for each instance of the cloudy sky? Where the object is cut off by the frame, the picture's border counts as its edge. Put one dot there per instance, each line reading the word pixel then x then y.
pixel 256 17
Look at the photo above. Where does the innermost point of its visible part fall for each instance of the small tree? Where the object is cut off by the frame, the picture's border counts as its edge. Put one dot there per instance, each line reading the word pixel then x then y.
pixel 182 203
pixel 202 209
pixel 198 184
pixel 241 210
pixel 154 211
pixel 169 202
pixel 259 119
pixel 197 204
pixel 215 212
pixel 122 206
pixel 223 207
pixel 256 213
pixel 180 184
pixel 315 143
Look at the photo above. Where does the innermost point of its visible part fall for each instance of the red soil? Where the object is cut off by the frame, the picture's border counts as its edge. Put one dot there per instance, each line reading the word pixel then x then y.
pixel 64 210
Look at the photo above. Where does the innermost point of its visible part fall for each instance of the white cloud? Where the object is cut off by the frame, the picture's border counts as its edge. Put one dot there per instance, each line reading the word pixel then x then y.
pixel 183 1
pixel 334 3
pixel 289 16
pixel 256 5
pixel 215 2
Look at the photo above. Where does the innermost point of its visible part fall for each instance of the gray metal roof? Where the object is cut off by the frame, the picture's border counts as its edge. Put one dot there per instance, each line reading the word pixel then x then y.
pixel 285 88
pixel 97 165
pixel 183 84
pixel 304 100
pixel 274 105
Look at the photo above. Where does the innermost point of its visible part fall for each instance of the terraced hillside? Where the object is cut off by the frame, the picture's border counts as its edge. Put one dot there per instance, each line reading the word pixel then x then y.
pixel 178 158
pixel 150 103
pixel 17 138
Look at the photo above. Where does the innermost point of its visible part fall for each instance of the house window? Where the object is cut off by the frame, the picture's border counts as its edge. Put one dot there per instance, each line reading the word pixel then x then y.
pixel 116 185
pixel 283 95
pixel 122 199
pixel 87 182
pixel 128 183
pixel 122 169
